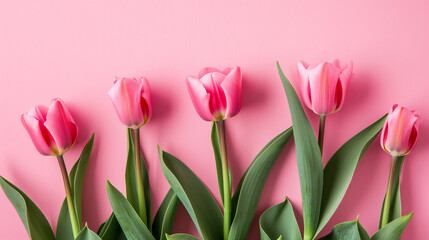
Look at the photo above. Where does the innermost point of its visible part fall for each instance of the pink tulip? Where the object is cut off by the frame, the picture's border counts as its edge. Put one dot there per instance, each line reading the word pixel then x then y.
pixel 324 86
pixel 132 101
pixel 52 130
pixel 216 94
pixel 400 131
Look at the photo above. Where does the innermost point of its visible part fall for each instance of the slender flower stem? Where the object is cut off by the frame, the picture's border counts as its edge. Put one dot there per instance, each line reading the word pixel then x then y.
pixel 321 132
pixel 73 218
pixel 225 177
pixel 392 189
pixel 139 176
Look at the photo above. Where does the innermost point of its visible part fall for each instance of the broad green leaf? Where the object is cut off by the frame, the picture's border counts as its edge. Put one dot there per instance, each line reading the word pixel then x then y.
pixel 347 230
pixel 33 219
pixel 218 159
pixel 310 166
pixel 87 234
pixel 194 195
pixel 253 184
pixel 164 218
pixel 395 205
pixel 130 222
pixel 279 222
pixel 339 171
pixel 76 178
pixel 111 230
pixel 181 236
pixel 130 180
pixel 393 230
pixel 64 228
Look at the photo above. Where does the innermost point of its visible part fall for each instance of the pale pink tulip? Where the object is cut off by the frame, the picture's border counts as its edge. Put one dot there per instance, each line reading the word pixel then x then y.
pixel 52 130
pixel 324 86
pixel 216 94
pixel 132 101
pixel 400 131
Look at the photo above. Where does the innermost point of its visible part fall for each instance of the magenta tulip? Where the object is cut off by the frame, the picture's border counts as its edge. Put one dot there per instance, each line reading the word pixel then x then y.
pixel 324 86
pixel 400 131
pixel 132 101
pixel 216 94
pixel 52 130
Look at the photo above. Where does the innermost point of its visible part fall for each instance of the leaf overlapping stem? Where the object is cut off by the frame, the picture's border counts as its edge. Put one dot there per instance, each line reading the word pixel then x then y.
pixel 139 176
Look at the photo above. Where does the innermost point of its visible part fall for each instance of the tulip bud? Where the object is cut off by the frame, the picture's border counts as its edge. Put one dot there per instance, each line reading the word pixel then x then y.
pixel 324 87
pixel 400 131
pixel 52 130
pixel 216 94
pixel 132 101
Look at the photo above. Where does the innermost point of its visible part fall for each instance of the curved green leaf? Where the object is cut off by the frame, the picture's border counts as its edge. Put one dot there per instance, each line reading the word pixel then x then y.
pixel 33 219
pixel 339 171
pixel 111 230
pixel 131 183
pixel 78 180
pixel 64 229
pixel 218 160
pixel 87 234
pixel 164 218
pixel 347 230
pixel 279 222
pixel 181 236
pixel 253 183
pixel 127 217
pixel 393 230
pixel 309 160
pixel 194 195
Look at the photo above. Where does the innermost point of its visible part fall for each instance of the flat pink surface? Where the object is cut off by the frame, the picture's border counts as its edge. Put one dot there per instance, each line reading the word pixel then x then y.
pixel 74 49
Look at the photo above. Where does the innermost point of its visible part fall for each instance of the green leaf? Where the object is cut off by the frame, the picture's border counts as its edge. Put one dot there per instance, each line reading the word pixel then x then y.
pixel 131 182
pixel 347 230
pixel 395 204
pixel 218 159
pixel 111 230
pixel 393 230
pixel 164 218
pixel 253 183
pixel 33 219
pixel 76 178
pixel 339 171
pixel 310 166
pixel 127 217
pixel 194 195
pixel 279 222
pixel 87 234
pixel 181 236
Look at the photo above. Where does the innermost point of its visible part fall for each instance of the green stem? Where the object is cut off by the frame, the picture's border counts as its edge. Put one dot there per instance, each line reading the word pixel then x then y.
pixel 225 177
pixel 69 196
pixel 321 132
pixel 139 176
pixel 392 189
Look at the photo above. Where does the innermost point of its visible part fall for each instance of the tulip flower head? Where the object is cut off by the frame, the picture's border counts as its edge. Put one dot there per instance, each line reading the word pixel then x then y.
pixel 400 131
pixel 132 101
pixel 324 87
pixel 216 94
pixel 52 130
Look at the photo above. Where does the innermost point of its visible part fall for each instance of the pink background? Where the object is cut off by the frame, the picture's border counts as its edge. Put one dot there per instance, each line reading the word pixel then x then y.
pixel 74 49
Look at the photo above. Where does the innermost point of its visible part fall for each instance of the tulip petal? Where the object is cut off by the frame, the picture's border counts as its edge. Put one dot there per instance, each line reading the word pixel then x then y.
pixel 61 126
pixel 232 89
pixel 211 82
pixel 40 136
pixel 345 77
pixel 126 96
pixel 146 102
pixel 200 98
pixel 206 70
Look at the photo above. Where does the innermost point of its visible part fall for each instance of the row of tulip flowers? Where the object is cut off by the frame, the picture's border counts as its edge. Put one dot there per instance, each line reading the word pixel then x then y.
pixel 216 96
